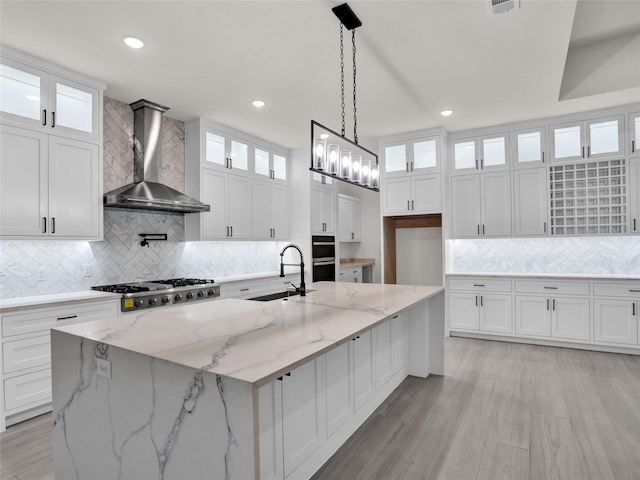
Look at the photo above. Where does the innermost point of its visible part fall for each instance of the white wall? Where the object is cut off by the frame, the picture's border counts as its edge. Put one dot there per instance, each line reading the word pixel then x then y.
pixel 419 256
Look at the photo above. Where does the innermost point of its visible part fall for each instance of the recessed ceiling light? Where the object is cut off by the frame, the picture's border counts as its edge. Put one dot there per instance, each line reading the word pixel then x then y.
pixel 258 103
pixel 133 42
pixel 446 113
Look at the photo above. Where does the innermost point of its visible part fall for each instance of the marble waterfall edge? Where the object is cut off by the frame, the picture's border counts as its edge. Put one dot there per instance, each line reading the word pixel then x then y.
pixel 152 419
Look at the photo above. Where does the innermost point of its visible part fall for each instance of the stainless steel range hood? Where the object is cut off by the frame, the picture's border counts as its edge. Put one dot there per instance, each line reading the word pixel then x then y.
pixel 148 192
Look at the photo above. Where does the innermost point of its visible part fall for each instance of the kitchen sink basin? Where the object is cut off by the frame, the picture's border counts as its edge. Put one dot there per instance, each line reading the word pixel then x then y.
pixel 275 296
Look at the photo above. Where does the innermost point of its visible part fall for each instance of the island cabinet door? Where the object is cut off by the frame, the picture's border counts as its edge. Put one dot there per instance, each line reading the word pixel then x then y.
pixel 303 413
pixel 270 421
pixel 364 380
pixel 338 365
pixel 384 358
pixel 399 342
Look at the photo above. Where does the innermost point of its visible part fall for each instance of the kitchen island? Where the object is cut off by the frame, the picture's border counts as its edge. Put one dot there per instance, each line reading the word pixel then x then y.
pixel 235 388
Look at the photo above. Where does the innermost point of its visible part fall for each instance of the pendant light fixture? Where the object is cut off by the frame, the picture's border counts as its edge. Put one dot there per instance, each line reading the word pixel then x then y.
pixel 333 154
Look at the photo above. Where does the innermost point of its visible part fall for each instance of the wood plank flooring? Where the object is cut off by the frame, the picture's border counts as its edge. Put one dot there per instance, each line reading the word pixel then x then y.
pixel 502 411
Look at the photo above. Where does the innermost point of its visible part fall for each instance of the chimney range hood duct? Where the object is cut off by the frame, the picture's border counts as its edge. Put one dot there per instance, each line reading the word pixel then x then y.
pixel 147 192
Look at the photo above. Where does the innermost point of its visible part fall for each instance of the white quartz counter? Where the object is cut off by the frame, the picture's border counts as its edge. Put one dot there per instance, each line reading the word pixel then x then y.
pixel 251 341
pixel 585 276
pixel 56 299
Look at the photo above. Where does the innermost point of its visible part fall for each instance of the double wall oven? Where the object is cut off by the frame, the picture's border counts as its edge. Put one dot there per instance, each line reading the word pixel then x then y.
pixel 323 253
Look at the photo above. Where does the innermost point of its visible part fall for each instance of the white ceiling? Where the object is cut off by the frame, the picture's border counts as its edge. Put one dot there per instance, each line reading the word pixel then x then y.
pixel 414 58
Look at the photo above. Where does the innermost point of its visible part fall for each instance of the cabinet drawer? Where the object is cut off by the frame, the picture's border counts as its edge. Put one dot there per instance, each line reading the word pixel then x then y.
pixel 42 319
pixel 480 284
pixel 27 390
pixel 552 287
pixel 27 353
pixel 281 284
pixel 627 290
pixel 243 289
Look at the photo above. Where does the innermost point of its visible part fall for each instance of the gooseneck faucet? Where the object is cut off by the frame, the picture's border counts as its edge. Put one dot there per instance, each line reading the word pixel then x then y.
pixel 301 290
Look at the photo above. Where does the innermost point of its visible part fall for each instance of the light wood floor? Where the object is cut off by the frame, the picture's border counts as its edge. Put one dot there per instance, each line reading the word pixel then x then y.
pixel 502 411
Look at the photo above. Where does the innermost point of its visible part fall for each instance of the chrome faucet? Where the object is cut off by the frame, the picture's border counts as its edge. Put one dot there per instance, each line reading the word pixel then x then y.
pixel 301 289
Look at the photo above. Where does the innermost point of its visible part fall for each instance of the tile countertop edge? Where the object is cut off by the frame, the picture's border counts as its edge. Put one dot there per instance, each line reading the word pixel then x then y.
pixel 55 299
pixel 584 276
pixel 333 321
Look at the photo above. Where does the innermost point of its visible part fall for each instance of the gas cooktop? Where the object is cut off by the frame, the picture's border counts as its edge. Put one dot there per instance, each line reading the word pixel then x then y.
pixel 157 293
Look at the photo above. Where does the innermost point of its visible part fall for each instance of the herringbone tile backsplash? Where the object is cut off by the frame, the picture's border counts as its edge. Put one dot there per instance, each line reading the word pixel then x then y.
pixel 608 255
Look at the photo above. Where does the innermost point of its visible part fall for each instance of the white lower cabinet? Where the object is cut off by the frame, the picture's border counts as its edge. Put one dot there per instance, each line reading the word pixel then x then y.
pixel 338 365
pixel 616 321
pixel 307 407
pixel 364 380
pixel 303 413
pixel 350 275
pixel 26 353
pixel 486 312
pixel 559 317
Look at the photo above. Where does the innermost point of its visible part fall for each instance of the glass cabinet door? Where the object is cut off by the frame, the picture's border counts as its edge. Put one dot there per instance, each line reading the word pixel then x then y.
pixel 425 155
pixel 634 133
pixel 605 137
pixel 528 147
pixel 23 93
pixel 75 108
pixel 261 165
pixel 395 159
pixel 494 152
pixel 279 167
pixel 214 149
pixel 464 155
pixel 239 156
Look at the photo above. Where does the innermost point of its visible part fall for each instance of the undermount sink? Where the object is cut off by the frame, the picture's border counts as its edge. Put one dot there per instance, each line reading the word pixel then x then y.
pixel 275 296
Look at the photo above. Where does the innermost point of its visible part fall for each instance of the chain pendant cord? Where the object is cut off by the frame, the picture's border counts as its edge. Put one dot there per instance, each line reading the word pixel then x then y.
pixel 355 116
pixel 342 77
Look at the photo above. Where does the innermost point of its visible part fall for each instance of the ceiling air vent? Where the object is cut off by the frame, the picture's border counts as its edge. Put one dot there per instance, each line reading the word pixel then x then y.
pixel 502 6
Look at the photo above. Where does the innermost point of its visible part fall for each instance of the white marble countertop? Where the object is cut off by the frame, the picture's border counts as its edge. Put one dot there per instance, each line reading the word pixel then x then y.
pixel 252 341
pixel 55 299
pixel 585 276
pixel 258 276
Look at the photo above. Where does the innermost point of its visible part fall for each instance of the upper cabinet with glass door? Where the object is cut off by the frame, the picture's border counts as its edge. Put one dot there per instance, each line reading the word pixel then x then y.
pixel 488 152
pixel 414 156
pixel 592 139
pixel 224 152
pixel 268 164
pixel 42 100
pixel 528 147
pixel 634 133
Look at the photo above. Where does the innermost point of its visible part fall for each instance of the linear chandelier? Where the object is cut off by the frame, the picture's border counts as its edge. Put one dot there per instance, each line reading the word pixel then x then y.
pixel 333 154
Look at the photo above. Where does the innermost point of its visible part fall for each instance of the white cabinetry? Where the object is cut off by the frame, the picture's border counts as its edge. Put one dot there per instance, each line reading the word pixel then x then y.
pixel 481 204
pixel 528 147
pixel 349 215
pixel 339 386
pixel 591 139
pixel 634 195
pixel 364 380
pixel 488 152
pixel 634 133
pixel 26 352
pixel 531 201
pixel 323 206
pixel 553 314
pixel 615 313
pixel 350 275
pixel 51 152
pixel 223 151
pixel 479 304
pixel 303 413
pixel 270 210
pixel 411 182
pixel 270 165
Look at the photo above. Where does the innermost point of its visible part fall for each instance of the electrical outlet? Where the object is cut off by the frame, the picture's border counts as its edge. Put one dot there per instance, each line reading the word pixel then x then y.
pixel 103 367
pixel 41 274
pixel 86 270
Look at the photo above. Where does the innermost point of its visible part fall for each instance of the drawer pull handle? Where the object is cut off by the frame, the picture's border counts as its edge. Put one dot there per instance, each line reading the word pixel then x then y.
pixel 634 291
pixel 244 289
pixel 68 318
pixel 478 285
pixel 551 288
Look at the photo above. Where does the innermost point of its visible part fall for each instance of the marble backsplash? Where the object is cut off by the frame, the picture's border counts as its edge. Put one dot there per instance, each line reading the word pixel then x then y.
pixel 120 258
pixel 606 255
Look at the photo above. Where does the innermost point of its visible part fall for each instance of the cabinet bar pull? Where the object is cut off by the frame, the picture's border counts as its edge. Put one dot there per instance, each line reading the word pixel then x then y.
pixel 412 206
pixel 53 119
pixel 476 300
pixel 68 318
pixel 231 228
pixel 481 302
pixel 634 224
pixel 551 288
pixel 634 291
pixel 408 205
pixel 227 230
pixel 582 152
pixel 553 305
pixel 44 224
pixel 542 157
pixel 53 225
pixel 633 308
pixel 482 164
pixel 588 151
pixel 547 304
pixel 476 164
pixel 44 117
pixel 478 229
pixel 478 285
pixel 483 228
pixel 352 236
pixel 407 167
pixel 545 227
pixel 412 166
pixel 633 146
pixel 244 289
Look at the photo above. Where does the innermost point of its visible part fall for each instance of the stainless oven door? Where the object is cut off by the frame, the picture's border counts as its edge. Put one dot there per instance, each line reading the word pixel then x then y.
pixel 324 269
